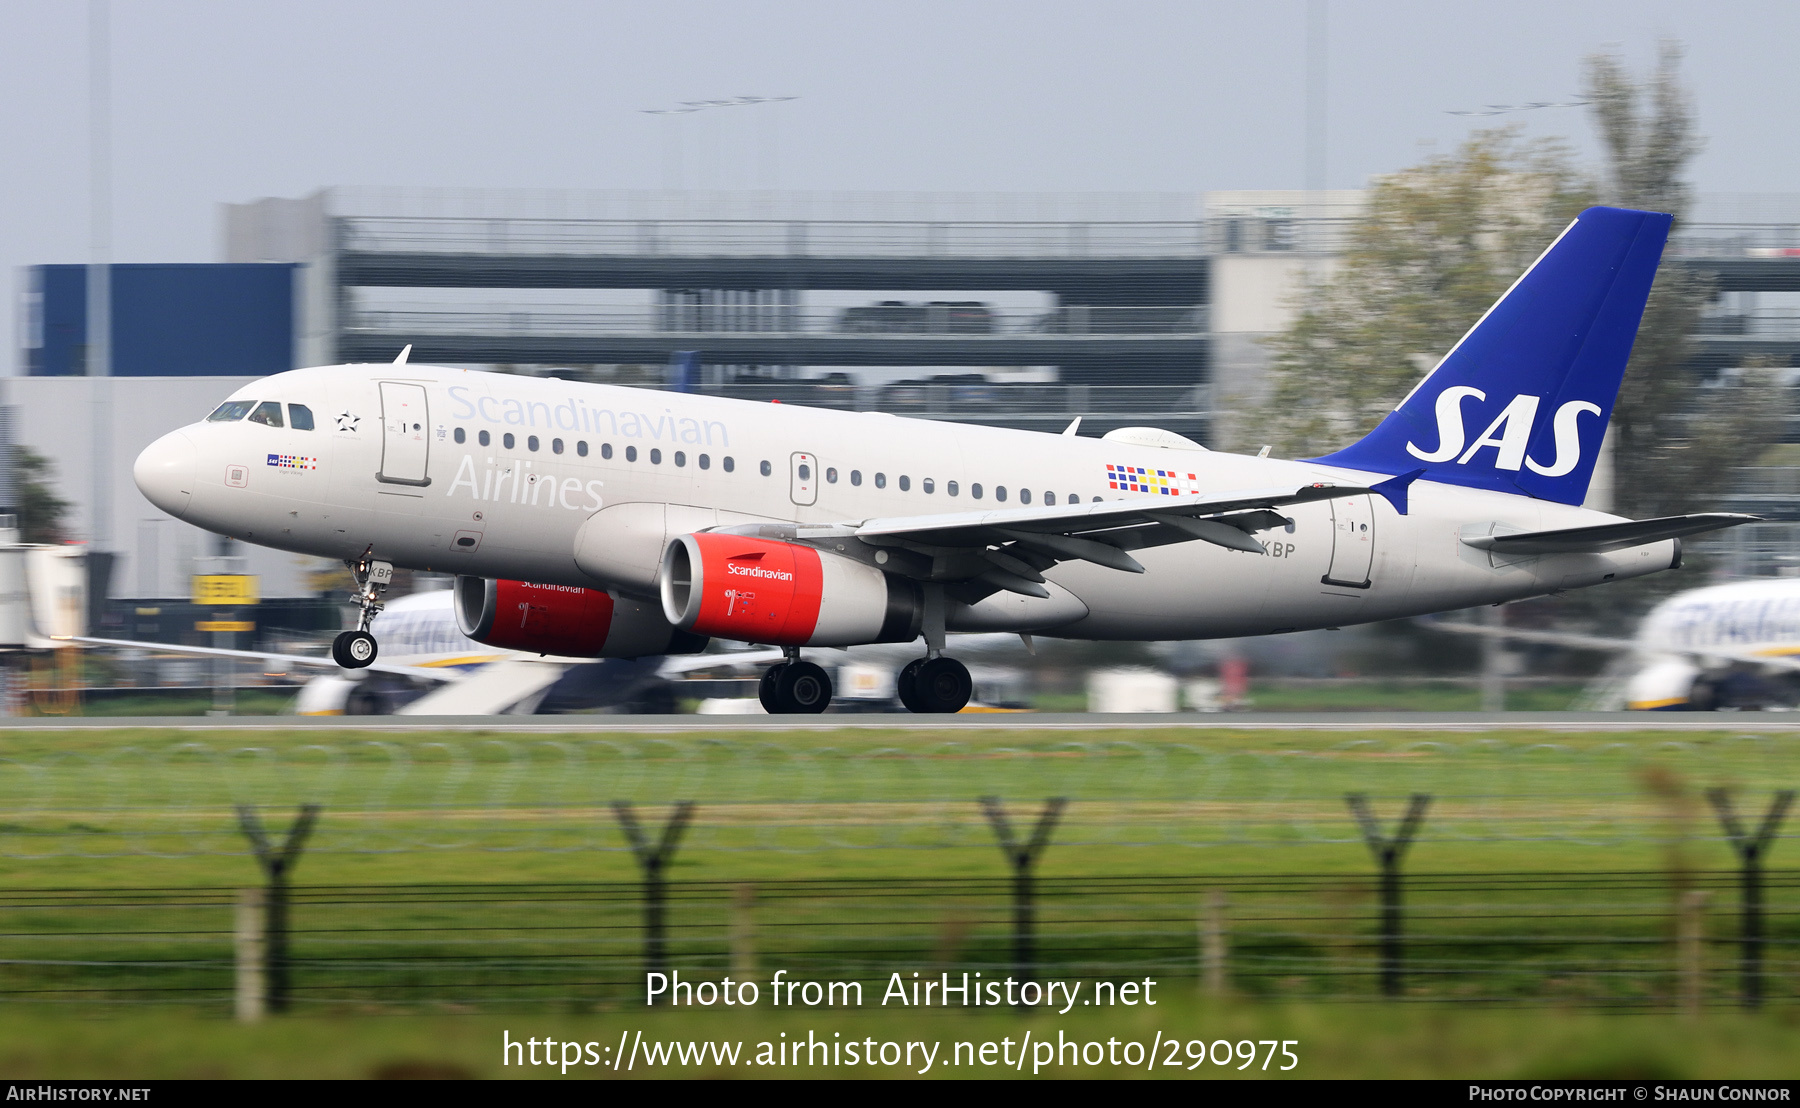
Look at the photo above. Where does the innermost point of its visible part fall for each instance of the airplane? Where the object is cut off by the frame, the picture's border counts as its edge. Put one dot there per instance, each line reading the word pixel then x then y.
pixel 432 668
pixel 1732 646
pixel 601 521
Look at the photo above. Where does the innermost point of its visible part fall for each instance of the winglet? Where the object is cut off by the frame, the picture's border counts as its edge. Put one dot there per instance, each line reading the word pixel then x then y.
pixel 401 360
pixel 1394 488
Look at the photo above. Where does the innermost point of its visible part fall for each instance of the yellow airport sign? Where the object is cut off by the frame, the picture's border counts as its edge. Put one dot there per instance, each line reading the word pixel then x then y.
pixel 226 588
pixel 225 625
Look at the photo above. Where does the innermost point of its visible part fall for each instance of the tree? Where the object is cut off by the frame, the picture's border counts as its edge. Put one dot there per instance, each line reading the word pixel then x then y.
pixel 41 512
pixel 1436 245
pixel 1677 439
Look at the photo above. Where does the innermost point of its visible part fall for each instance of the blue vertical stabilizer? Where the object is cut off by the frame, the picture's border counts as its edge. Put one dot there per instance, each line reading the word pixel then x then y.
pixel 1520 405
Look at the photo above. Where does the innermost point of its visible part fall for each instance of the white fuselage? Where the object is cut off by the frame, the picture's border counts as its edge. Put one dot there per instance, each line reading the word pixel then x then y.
pixel 416 483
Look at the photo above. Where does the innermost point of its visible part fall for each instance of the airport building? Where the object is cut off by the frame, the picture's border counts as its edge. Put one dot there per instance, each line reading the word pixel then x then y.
pixel 1012 310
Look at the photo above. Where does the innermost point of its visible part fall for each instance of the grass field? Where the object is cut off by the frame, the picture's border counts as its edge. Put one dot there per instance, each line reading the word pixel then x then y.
pixel 1175 812
pixel 148 808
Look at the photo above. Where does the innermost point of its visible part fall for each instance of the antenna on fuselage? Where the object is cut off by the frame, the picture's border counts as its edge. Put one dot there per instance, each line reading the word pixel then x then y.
pixel 401 360
pixel 1070 429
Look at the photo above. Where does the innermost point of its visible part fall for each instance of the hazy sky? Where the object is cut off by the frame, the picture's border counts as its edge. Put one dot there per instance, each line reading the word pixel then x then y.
pixel 231 101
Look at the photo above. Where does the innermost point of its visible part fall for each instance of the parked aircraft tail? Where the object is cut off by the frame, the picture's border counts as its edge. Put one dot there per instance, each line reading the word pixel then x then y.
pixel 1538 373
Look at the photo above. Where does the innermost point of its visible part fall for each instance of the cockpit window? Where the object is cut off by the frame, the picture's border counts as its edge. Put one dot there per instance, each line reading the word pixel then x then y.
pixel 300 417
pixel 231 411
pixel 268 412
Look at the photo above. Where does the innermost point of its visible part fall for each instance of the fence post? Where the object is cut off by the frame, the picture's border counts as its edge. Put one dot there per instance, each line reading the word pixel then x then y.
pixel 1212 944
pixel 652 860
pixel 1751 850
pixel 277 864
pixel 252 951
pixel 1022 856
pixel 1388 853
pixel 743 932
pixel 1690 950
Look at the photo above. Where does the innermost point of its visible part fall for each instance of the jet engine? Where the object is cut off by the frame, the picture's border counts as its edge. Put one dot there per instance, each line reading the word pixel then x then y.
pixel 565 620
pixel 783 594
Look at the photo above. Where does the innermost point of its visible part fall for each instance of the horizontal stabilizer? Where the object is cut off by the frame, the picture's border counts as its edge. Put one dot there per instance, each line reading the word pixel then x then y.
pixel 1608 536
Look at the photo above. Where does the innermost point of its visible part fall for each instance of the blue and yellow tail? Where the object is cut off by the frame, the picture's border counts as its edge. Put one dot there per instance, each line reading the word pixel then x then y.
pixel 1538 373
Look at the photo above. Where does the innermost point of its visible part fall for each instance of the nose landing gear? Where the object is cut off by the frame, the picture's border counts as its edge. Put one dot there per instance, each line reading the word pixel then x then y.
pixel 794 687
pixel 356 649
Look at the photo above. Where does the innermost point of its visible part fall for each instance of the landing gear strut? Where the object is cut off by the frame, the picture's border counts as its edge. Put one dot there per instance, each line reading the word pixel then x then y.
pixel 356 649
pixel 794 687
pixel 934 684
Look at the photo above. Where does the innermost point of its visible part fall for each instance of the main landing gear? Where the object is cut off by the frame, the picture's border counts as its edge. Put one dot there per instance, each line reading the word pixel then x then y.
pixel 935 685
pixel 794 687
pixel 356 649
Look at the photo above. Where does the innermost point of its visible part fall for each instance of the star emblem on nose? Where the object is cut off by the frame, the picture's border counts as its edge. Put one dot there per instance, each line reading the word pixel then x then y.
pixel 348 422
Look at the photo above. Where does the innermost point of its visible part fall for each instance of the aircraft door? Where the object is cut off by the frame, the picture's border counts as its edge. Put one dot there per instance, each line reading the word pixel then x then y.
pixel 1352 542
pixel 804 484
pixel 404 425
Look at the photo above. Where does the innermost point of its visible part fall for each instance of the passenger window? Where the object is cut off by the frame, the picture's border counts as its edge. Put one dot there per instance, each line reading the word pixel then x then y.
pixel 655 456
pixel 581 447
pixel 706 461
pixel 766 469
pixel 881 480
pixel 975 490
pixel 831 475
pixel 905 482
pixel 999 492
pixel 300 418
pixel 729 464
pixel 556 446
pixel 856 477
pixel 681 459
pixel 928 485
pixel 460 436
pixel 268 413
pixel 507 440
pixel 631 453
pixel 950 487
pixel 531 443
pixel 804 471
pixel 1074 498
pixel 484 438
pixel 1049 499
pixel 606 450
pixel 231 411
pixel 1024 496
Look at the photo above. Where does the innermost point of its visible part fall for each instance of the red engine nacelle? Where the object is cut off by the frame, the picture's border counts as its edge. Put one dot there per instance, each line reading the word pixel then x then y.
pixel 564 620
pixel 784 594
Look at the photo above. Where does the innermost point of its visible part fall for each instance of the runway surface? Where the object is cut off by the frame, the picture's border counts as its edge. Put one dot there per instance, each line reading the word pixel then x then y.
pixel 985 721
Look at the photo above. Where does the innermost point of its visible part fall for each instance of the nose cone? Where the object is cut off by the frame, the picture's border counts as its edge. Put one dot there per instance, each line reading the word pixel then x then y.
pixel 164 473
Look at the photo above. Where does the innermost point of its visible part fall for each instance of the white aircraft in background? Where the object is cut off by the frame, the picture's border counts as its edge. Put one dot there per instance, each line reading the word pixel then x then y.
pixel 597 521
pixel 431 667
pixel 1723 646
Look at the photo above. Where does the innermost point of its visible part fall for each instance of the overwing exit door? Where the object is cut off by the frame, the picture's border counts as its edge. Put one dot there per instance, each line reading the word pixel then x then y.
pixel 1352 542
pixel 404 427
pixel 804 483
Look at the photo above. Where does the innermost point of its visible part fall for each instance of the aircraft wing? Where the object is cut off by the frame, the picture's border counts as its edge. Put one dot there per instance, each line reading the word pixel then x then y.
pixel 1577 641
pixel 428 672
pixel 1608 536
pixel 1009 548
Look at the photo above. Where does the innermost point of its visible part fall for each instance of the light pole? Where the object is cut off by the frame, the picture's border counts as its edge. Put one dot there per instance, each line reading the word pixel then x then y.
pixel 99 270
